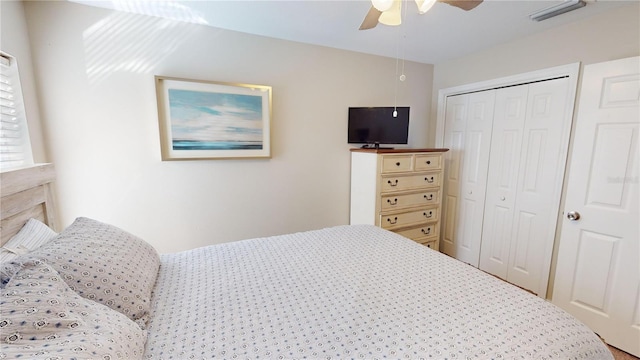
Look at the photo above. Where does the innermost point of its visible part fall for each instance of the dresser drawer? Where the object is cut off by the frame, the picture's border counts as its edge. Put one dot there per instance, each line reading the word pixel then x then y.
pixel 422 234
pixel 398 220
pixel 396 163
pixel 408 182
pixel 433 244
pixel 403 201
pixel 428 162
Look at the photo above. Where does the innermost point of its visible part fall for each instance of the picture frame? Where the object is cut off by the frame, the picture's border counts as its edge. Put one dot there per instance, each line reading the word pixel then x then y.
pixel 204 120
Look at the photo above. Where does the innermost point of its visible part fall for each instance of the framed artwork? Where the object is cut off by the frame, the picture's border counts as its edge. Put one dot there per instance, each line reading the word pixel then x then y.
pixel 213 120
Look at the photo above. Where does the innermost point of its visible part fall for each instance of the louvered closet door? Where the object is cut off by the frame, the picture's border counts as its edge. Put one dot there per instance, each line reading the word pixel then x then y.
pixel 468 136
pixel 526 170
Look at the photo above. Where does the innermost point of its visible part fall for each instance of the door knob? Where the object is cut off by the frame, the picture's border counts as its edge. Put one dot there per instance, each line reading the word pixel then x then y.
pixel 573 215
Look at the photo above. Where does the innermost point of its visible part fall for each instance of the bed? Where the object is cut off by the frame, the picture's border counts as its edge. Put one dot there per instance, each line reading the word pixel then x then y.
pixel 353 291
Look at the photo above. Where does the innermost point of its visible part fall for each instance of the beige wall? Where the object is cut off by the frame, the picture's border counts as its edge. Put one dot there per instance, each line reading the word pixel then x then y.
pixel 607 36
pixel 14 40
pixel 95 72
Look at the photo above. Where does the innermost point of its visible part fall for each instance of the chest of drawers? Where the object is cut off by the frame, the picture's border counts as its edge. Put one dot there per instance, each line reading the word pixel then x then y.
pixel 399 190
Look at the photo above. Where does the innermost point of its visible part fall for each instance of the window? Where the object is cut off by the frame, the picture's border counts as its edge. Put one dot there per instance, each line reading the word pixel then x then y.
pixel 15 147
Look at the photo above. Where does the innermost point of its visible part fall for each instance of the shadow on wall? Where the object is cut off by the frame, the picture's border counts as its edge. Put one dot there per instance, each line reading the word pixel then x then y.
pixel 122 42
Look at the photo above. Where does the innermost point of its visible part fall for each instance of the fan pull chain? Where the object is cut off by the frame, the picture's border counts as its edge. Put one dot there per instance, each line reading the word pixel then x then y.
pixel 395 95
pixel 404 38
pixel 402 77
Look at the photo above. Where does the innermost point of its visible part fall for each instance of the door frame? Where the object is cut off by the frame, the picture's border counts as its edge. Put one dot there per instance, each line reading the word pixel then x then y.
pixel 572 72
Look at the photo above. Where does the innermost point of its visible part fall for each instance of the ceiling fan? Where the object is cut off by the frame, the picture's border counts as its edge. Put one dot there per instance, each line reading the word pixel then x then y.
pixel 388 11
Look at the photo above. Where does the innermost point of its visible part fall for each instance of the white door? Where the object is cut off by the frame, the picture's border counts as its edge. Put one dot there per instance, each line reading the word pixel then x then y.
pixel 468 136
pixel 502 181
pixel 529 145
pixel 598 268
pixel 456 121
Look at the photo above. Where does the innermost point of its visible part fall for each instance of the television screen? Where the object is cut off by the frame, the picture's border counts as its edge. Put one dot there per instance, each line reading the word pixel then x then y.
pixel 376 125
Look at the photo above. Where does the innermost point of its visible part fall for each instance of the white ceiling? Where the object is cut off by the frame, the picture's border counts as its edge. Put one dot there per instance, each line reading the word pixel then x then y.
pixel 443 33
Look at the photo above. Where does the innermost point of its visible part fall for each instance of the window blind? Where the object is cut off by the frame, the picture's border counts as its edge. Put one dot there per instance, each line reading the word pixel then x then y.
pixel 15 146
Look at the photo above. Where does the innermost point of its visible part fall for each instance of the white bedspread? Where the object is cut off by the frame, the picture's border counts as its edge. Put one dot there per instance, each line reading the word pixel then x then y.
pixel 349 292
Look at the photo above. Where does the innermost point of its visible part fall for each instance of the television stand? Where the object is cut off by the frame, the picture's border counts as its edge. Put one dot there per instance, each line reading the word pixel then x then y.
pixel 375 146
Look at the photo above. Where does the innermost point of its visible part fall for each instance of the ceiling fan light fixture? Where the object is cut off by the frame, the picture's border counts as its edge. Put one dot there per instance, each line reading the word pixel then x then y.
pixel 424 5
pixel 382 5
pixel 392 16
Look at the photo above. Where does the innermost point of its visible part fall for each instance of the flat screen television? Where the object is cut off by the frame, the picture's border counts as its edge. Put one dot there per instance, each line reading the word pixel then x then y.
pixel 373 126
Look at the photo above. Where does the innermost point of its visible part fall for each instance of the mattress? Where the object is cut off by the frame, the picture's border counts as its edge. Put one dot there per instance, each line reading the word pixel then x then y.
pixel 349 292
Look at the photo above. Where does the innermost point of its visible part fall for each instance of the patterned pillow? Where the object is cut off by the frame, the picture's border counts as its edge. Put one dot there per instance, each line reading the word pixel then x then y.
pixel 7 270
pixel 43 319
pixel 105 264
pixel 33 234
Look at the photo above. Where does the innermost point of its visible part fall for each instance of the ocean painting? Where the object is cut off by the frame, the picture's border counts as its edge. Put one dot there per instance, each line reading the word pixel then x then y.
pixel 202 120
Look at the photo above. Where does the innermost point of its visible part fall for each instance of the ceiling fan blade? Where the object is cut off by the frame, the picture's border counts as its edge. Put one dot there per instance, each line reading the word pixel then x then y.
pixel 463 4
pixel 371 20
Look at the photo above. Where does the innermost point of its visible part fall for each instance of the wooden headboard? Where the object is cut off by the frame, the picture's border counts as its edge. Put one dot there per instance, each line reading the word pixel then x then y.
pixel 26 193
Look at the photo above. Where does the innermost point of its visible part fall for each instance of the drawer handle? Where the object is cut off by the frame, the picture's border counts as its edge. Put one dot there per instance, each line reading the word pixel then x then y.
pixel 398 163
pixel 428 245
pixel 429 180
pixel 428 215
pixel 428 162
pixel 426 232
pixel 395 220
pixel 429 198
pixel 392 184
pixel 395 201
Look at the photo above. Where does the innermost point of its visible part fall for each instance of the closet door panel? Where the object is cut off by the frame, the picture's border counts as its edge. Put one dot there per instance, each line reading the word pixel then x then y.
pixel 456 121
pixel 452 181
pixel 493 257
pixel 475 167
pixel 502 179
pixel 540 177
pixel 474 159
